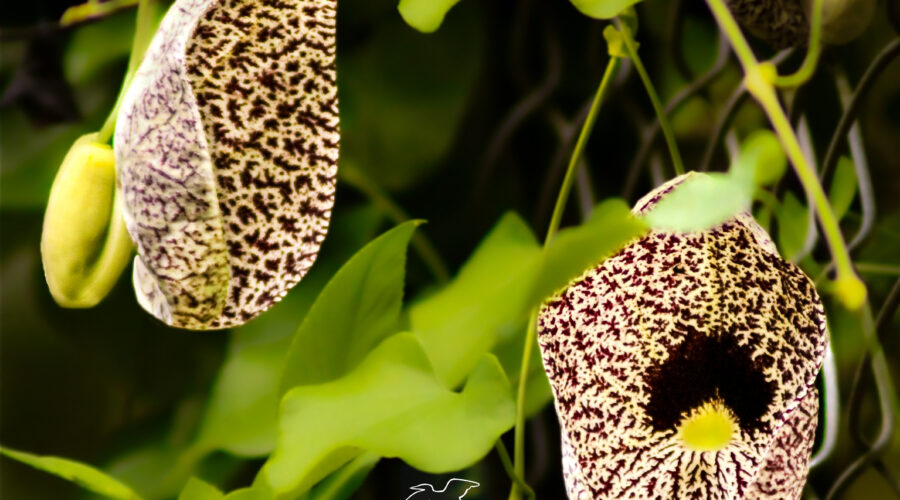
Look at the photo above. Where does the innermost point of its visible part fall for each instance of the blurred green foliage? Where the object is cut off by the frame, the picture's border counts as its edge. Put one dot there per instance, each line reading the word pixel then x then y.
pixel 192 415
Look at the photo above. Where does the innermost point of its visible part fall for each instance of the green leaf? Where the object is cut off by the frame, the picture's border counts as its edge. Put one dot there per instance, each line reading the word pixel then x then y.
pixel 392 405
pixel 197 489
pixel 793 226
pixel 763 151
pixel 843 187
pixel 576 249
pixel 703 201
pixel 403 95
pixel 506 276
pixel 81 474
pixel 603 9
pixel 242 411
pixel 425 15
pixel 358 308
pixel 465 319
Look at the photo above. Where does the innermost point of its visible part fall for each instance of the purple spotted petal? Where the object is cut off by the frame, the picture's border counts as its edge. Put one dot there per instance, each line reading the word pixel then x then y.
pixel 669 323
pixel 226 147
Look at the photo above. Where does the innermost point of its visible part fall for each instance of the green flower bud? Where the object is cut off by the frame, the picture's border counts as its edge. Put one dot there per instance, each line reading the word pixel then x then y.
pixel 84 245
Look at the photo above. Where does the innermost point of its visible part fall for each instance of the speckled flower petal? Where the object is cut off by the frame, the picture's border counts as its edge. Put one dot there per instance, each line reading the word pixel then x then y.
pixel 226 147
pixel 670 323
pixel 783 473
pixel 782 23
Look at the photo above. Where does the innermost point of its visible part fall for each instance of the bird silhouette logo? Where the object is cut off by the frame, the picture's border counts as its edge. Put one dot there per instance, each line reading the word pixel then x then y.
pixel 454 489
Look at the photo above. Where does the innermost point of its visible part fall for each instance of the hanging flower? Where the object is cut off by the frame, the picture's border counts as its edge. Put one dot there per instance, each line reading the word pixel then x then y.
pixel 683 367
pixel 226 147
pixel 785 23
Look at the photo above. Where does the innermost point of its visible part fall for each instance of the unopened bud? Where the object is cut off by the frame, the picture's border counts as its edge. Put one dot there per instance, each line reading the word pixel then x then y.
pixel 84 247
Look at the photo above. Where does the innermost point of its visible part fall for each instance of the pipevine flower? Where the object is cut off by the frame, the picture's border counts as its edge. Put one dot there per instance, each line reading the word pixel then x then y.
pixel 683 367
pixel 785 23
pixel 227 145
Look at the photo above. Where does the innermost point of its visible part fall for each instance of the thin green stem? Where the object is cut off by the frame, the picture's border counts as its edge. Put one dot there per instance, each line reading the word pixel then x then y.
pixel 758 78
pixel 143 35
pixel 562 199
pixel 421 244
pixel 519 432
pixel 630 45
pixel 808 67
pixel 510 470
pixel 612 68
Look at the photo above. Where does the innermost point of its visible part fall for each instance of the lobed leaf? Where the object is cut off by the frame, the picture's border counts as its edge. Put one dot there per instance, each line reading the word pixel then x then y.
pixel 242 411
pixel 461 322
pixel 393 405
pixel 358 308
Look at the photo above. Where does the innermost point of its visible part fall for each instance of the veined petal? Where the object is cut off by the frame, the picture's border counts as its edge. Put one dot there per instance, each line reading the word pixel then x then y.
pixel 227 147
pixel 671 323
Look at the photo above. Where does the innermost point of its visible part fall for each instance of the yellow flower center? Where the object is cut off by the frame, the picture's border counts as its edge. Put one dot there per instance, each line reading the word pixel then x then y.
pixel 710 427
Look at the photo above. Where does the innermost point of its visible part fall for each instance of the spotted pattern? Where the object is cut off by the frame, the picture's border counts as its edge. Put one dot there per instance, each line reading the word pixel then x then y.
pixel 782 23
pixel 724 318
pixel 227 148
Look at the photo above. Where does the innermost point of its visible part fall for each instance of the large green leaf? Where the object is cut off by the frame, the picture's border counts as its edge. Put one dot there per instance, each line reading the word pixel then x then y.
pixel 403 94
pixel 358 308
pixel 603 9
pixel 507 275
pixel 392 405
pixel 425 15
pixel 242 410
pixel 458 324
pixel 843 187
pixel 81 474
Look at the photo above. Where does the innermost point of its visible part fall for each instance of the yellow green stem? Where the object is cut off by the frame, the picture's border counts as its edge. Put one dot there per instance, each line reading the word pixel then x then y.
pixel 759 80
pixel 664 124
pixel 806 70
pixel 143 34
pixel 561 200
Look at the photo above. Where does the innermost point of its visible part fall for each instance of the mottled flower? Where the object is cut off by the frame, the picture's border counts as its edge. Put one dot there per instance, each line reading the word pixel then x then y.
pixel 785 23
pixel 227 146
pixel 683 367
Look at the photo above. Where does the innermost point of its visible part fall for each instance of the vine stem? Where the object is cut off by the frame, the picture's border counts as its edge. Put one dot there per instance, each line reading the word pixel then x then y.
pixel 355 177
pixel 531 332
pixel 808 67
pixel 759 80
pixel 143 35
pixel 630 45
